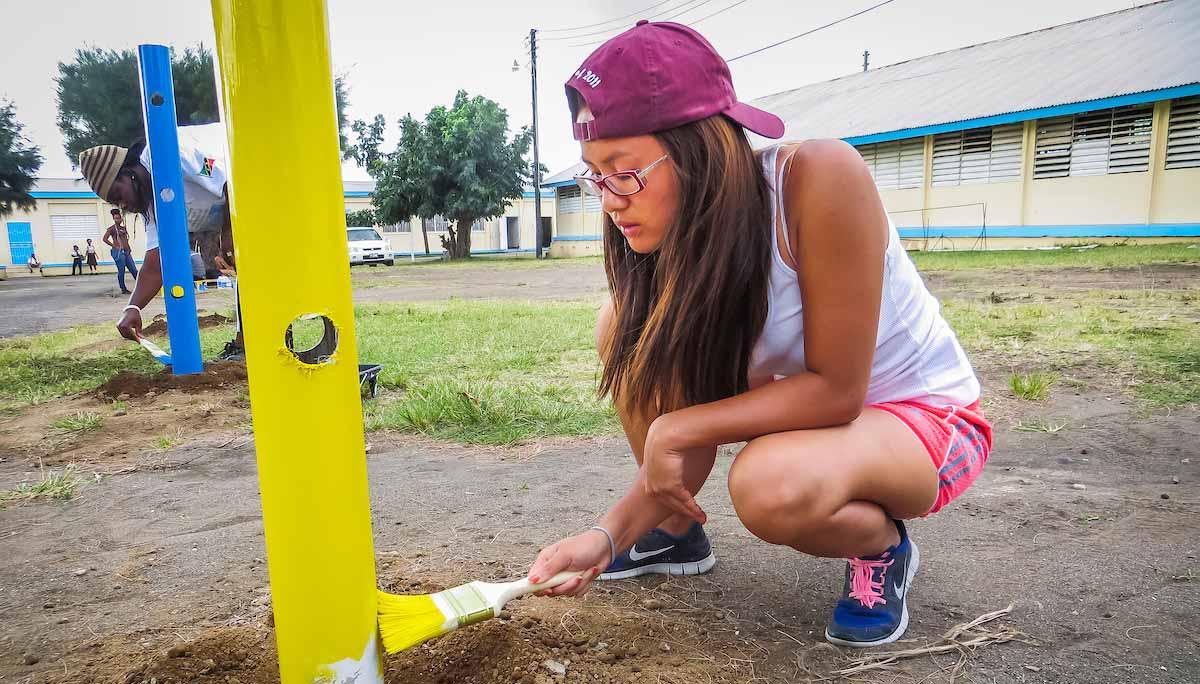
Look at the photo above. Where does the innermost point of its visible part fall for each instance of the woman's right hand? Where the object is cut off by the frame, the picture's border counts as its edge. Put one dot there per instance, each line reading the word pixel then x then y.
pixel 588 551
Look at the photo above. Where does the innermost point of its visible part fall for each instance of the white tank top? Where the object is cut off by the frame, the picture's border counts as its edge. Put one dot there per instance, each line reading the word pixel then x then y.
pixel 917 356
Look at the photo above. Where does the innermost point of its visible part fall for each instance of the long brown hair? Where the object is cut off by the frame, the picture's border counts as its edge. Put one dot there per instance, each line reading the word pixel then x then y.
pixel 688 314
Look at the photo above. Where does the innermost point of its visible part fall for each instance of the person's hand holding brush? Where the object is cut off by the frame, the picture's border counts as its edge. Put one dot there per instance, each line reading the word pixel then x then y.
pixel 588 551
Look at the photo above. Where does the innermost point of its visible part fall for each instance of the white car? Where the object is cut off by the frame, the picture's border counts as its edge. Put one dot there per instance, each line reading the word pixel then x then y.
pixel 367 247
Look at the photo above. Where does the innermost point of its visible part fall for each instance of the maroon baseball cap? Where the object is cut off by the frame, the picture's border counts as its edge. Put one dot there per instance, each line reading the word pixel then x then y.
pixel 657 76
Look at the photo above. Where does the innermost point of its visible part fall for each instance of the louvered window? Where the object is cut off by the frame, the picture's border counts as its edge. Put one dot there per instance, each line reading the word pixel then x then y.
pixel 978 155
pixel 897 164
pixel 1093 143
pixel 437 224
pixel 74 227
pixel 1183 134
pixel 570 200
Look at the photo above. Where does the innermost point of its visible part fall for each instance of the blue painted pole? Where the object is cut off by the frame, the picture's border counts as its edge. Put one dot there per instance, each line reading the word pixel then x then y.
pixel 170 212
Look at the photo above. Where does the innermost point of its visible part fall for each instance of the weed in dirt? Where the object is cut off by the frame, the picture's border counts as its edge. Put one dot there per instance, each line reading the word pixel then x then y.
pixel 485 372
pixel 1106 256
pixel 1088 519
pixel 80 421
pixel 118 405
pixel 53 484
pixel 164 442
pixel 1031 386
pixel 1047 426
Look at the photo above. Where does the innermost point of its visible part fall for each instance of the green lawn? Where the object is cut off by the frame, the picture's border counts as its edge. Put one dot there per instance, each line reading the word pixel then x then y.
pixel 501 372
pixel 1155 355
pixel 485 372
pixel 1124 256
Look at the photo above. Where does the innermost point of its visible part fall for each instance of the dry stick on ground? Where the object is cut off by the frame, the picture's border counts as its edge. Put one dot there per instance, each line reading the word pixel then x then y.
pixel 962 638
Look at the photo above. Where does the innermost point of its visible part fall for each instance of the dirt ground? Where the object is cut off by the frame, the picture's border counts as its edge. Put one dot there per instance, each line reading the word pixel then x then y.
pixel 155 571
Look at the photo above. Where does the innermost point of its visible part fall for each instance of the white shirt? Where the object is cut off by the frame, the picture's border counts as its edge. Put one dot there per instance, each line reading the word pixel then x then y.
pixel 917 356
pixel 204 179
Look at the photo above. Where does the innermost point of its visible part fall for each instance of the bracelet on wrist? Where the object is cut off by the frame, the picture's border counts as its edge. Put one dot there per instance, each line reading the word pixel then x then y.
pixel 612 545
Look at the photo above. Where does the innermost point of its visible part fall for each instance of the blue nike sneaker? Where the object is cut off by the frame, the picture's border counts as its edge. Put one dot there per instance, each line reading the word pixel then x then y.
pixel 874 610
pixel 660 552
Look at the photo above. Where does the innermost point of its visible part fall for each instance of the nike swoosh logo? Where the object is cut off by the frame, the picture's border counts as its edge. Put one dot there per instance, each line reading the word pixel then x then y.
pixel 636 555
pixel 899 589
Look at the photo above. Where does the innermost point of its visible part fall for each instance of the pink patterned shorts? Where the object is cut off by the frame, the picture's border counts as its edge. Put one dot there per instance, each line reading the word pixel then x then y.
pixel 958 440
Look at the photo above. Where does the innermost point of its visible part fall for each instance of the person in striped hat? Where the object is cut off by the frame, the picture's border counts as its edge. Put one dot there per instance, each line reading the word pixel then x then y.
pixel 121 176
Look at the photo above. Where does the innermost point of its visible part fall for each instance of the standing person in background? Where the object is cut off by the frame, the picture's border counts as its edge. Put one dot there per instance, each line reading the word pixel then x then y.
pixel 117 239
pixel 76 260
pixel 91 258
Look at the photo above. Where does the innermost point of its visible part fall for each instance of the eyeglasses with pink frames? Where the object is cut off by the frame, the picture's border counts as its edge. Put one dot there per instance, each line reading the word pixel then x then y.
pixel 623 183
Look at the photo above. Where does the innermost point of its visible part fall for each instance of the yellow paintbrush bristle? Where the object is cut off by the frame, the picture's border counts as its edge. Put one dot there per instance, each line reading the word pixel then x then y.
pixel 405 621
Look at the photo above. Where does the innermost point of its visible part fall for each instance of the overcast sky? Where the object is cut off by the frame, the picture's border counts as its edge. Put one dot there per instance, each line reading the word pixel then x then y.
pixel 406 57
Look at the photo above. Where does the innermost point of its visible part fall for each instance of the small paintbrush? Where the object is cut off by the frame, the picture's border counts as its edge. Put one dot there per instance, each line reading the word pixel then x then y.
pixel 405 621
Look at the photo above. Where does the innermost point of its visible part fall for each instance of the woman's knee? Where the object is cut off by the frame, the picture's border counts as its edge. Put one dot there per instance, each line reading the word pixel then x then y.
pixel 772 501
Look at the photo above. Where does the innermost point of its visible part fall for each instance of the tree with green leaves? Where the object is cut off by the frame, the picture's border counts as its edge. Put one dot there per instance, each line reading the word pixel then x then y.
pixel 19 163
pixel 459 163
pixel 362 217
pixel 100 102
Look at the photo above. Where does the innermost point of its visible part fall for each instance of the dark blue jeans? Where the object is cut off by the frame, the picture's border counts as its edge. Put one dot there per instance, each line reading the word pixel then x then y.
pixel 123 259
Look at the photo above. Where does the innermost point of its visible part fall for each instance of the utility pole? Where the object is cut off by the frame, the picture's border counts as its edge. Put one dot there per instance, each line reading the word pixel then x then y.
pixel 866 59
pixel 537 166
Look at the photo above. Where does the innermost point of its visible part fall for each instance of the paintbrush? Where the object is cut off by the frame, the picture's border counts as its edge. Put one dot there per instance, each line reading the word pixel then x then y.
pixel 405 621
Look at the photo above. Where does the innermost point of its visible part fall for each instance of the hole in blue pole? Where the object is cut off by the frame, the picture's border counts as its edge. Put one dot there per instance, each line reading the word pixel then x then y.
pixel 157 99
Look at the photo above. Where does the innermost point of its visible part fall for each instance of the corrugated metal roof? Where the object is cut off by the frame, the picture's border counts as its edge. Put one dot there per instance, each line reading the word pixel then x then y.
pixel 567 175
pixel 1132 51
pixel 60 185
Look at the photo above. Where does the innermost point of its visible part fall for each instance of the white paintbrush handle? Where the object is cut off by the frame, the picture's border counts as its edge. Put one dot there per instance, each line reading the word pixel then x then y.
pixel 524 587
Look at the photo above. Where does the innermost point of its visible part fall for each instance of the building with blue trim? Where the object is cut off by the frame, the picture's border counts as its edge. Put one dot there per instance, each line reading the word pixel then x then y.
pixel 1088 131
pixel 68 213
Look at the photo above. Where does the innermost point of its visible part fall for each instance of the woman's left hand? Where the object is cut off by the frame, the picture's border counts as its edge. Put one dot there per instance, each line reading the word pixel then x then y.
pixel 663 465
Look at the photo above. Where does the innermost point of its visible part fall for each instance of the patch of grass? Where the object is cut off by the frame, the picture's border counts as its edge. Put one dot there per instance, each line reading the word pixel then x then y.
pixel 1107 256
pixel 1040 425
pixel 80 421
pixel 1031 386
pixel 1087 519
pixel 118 405
pixel 42 367
pixel 492 261
pixel 1159 360
pixel 485 372
pixel 59 485
pixel 164 442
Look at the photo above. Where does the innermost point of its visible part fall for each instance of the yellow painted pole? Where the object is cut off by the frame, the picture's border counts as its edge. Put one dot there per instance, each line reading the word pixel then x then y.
pixel 286 190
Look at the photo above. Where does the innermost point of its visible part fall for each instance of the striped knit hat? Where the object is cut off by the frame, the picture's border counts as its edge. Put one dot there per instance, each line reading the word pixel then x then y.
pixel 100 165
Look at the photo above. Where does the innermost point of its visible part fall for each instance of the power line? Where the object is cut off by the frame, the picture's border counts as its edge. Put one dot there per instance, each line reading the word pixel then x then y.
pixel 710 16
pixel 686 6
pixel 809 32
pixel 601 23
pixel 677 14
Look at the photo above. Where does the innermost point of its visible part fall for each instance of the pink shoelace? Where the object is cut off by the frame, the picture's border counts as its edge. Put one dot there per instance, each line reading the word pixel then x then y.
pixel 863 587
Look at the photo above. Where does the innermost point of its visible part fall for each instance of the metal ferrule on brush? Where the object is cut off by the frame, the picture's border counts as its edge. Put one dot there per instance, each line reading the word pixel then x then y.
pixel 462 606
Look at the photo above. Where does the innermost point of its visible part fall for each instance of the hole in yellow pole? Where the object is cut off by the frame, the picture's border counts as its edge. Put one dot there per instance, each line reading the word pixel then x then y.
pixel 312 338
